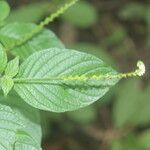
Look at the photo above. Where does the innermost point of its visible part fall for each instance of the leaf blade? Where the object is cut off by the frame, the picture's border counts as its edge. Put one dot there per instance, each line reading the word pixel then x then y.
pixel 13 32
pixel 17 125
pixel 59 63
pixel 12 67
pixel 3 59
pixel 4 10
pixel 7 84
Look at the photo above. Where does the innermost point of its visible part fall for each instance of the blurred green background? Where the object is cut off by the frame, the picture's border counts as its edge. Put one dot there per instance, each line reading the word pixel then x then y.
pixel 118 32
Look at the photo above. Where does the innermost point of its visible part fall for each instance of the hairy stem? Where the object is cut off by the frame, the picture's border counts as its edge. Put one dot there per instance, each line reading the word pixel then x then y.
pixel 39 28
pixel 57 80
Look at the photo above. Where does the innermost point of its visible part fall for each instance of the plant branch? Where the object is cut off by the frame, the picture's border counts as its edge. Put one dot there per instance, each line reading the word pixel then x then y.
pixel 57 80
pixel 39 28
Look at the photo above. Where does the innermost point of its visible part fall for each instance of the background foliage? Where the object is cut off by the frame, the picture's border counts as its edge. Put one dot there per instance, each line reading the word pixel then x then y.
pixel 118 32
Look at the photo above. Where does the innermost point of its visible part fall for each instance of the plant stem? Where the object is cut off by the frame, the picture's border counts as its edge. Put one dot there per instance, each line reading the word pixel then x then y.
pixel 39 28
pixel 58 80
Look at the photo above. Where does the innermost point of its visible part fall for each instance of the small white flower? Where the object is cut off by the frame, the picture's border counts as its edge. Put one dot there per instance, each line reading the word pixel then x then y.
pixel 141 70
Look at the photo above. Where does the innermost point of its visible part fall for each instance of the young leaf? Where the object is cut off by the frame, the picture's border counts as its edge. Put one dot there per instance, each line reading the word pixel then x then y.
pixel 13 32
pixel 4 10
pixel 6 84
pixel 3 59
pixel 45 80
pixel 12 67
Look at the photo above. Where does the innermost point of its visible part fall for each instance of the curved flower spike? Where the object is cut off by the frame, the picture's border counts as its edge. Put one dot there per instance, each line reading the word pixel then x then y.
pixel 141 68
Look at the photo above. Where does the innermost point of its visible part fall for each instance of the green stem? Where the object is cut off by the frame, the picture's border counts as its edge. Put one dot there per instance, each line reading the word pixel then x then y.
pixel 39 28
pixel 57 80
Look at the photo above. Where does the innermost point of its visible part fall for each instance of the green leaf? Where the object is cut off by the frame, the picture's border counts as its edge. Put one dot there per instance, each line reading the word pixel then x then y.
pixel 13 127
pixel 83 116
pixel 3 59
pixel 10 122
pixel 144 107
pixel 144 139
pixel 133 10
pixel 132 105
pixel 31 122
pixel 12 67
pixel 25 142
pixel 6 84
pixel 42 80
pixel 95 50
pixel 12 32
pixel 117 36
pixel 130 142
pixel 23 13
pixel 82 14
pixel 4 10
pixel 2 24
pixel 126 105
